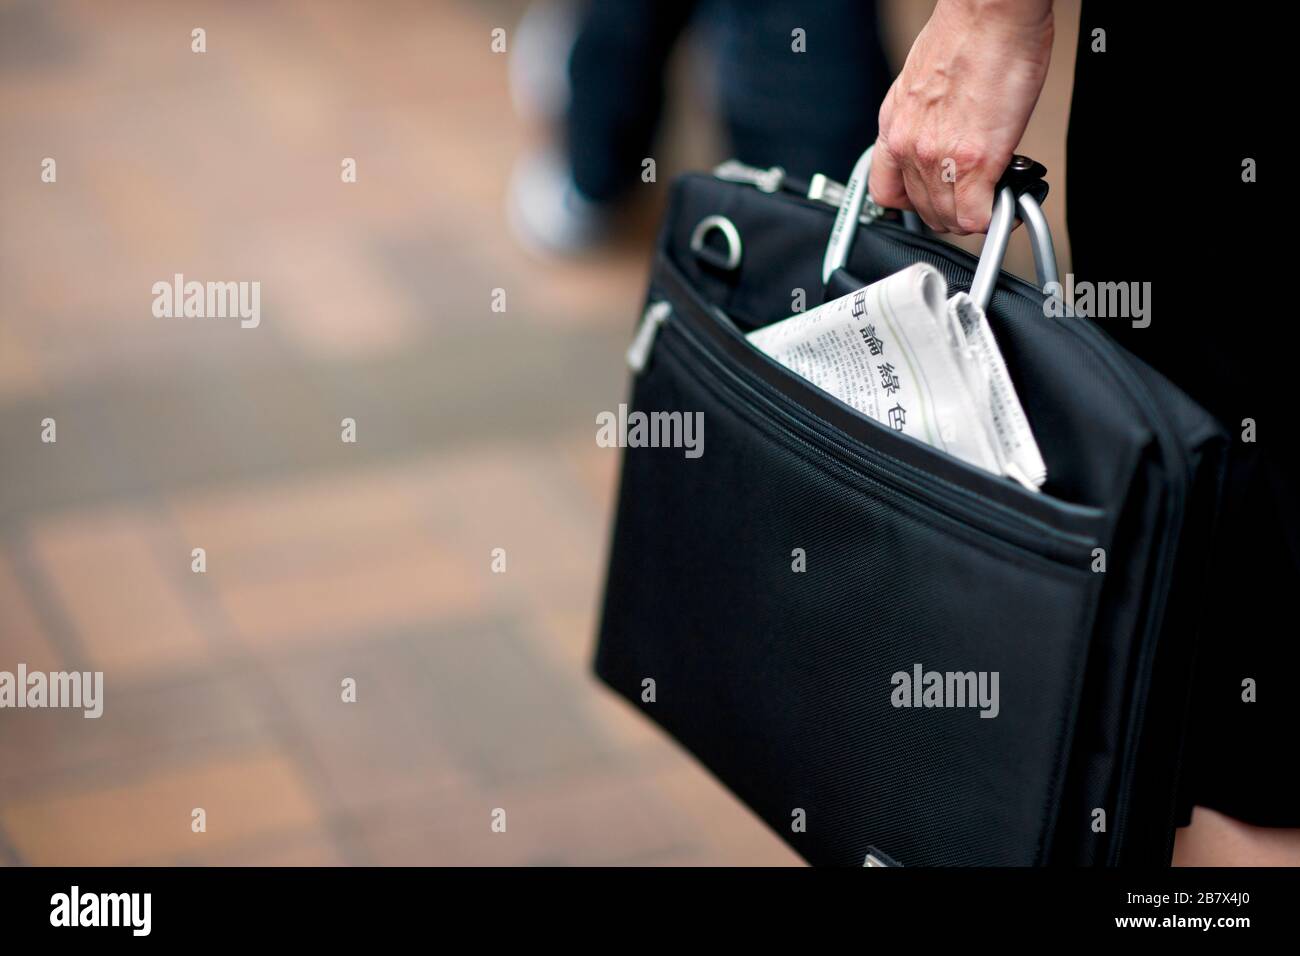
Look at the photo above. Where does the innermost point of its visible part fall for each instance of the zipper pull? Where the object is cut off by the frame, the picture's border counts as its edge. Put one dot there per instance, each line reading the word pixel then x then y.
pixel 820 188
pixel 638 353
pixel 877 858
pixel 734 171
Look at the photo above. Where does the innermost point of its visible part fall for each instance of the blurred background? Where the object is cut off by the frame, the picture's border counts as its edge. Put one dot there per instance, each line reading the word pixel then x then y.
pixel 327 560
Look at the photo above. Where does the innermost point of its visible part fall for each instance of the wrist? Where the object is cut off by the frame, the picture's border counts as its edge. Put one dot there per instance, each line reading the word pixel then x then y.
pixel 1028 15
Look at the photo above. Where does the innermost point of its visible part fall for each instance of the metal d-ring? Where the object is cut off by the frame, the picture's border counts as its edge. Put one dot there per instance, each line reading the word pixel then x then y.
pixel 729 232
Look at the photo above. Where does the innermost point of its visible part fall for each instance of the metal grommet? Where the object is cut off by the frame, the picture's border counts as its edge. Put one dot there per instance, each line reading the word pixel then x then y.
pixel 729 232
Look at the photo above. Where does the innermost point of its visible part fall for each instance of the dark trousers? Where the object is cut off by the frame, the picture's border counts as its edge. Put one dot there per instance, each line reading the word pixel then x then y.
pixel 809 112
pixel 1156 194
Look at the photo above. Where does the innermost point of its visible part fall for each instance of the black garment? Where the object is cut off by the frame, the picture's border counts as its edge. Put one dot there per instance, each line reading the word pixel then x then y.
pixel 810 112
pixel 1159 128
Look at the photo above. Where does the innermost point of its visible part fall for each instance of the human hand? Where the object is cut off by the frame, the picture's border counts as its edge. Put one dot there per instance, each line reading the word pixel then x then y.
pixel 955 115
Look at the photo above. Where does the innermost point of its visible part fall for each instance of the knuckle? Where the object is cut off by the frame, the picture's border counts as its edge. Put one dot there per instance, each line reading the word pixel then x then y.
pixel 926 151
pixel 899 145
pixel 969 159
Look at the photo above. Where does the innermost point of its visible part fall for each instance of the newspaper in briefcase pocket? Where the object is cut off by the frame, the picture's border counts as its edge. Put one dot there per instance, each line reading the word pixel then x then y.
pixel 904 353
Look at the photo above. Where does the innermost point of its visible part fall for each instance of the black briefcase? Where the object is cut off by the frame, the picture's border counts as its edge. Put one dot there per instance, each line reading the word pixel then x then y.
pixel 892 656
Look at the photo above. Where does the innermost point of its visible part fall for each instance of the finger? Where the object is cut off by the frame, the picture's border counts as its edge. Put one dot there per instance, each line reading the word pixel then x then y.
pixel 919 194
pixel 974 198
pixel 936 170
pixel 885 184
pixel 920 163
pixel 943 193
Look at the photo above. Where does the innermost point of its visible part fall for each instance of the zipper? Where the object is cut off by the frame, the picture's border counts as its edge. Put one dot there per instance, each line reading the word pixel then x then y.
pixel 881 469
pixel 884 470
pixel 638 353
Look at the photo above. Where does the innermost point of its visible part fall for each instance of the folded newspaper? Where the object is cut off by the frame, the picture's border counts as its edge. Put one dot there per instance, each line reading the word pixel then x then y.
pixel 904 353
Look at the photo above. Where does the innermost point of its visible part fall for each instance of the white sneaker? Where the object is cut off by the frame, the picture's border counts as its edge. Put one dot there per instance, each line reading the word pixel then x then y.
pixel 546 211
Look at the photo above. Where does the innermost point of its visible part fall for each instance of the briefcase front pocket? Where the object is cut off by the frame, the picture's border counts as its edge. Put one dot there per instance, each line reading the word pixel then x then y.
pixel 870 651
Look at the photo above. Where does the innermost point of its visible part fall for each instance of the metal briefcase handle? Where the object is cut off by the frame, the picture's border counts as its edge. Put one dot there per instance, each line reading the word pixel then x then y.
pixel 1019 192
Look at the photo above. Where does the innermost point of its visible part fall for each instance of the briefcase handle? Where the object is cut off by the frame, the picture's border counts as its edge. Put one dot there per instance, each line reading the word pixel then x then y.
pixel 1019 194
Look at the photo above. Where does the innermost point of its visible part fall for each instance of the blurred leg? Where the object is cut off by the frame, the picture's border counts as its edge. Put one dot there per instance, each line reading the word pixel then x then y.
pixel 616 74
pixel 1126 208
pixel 810 112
